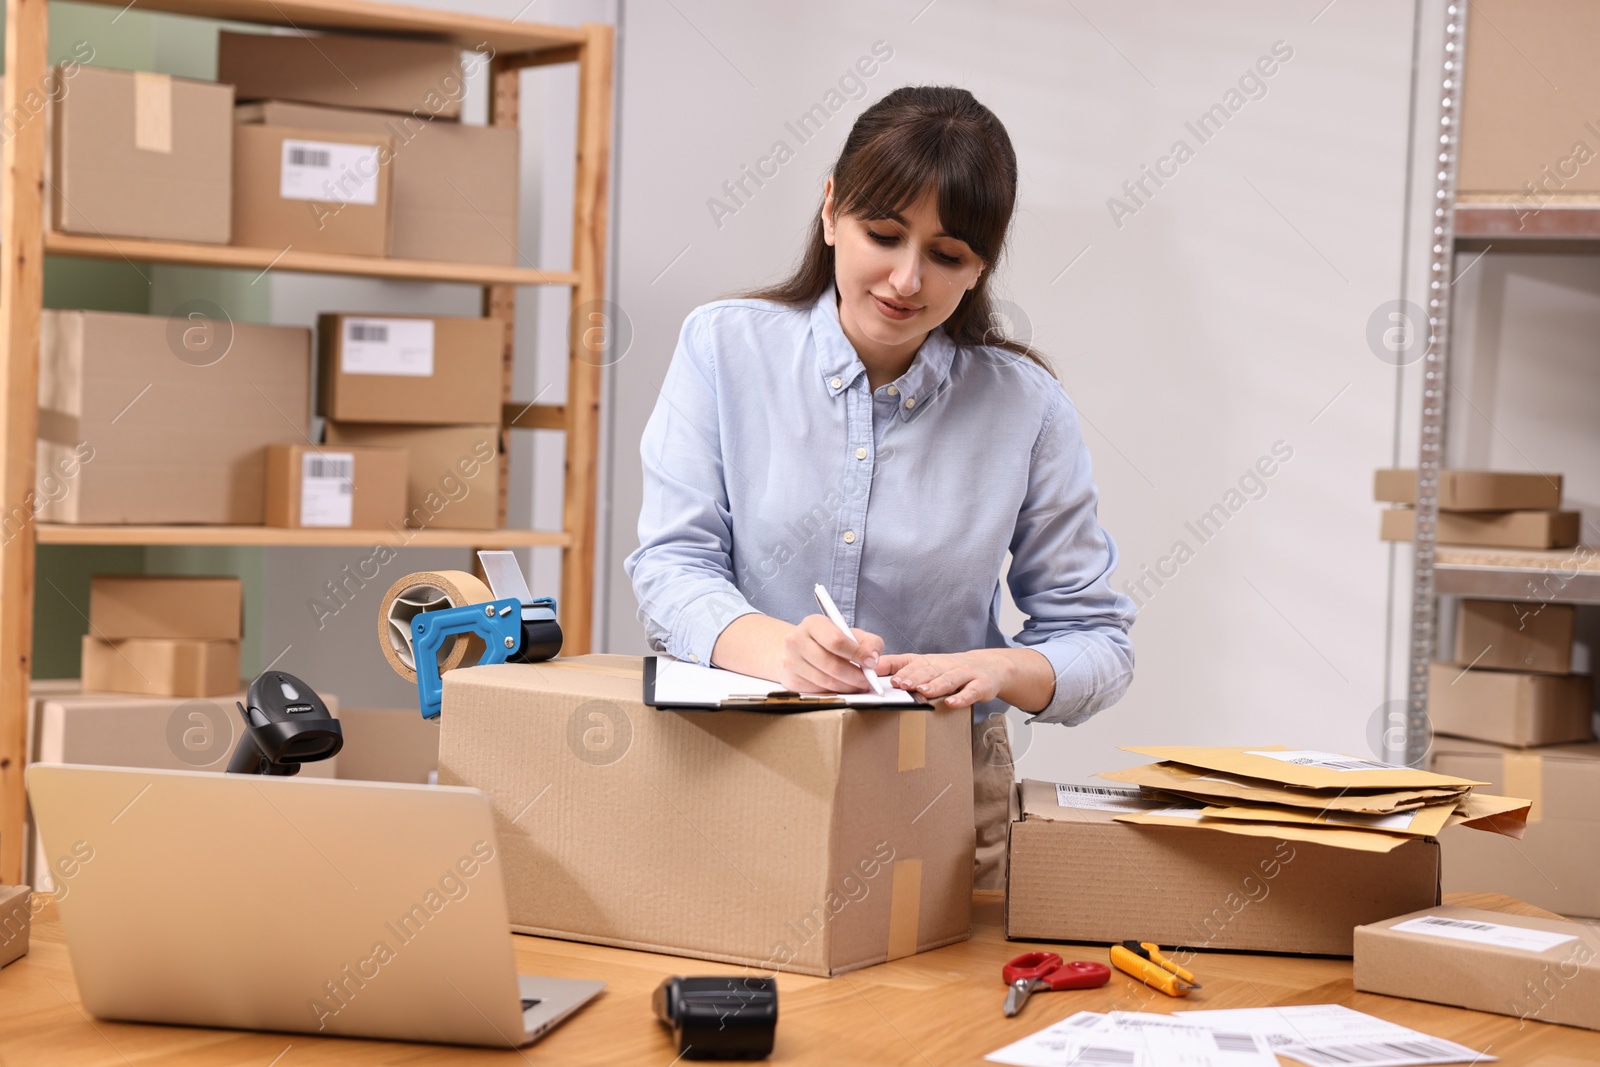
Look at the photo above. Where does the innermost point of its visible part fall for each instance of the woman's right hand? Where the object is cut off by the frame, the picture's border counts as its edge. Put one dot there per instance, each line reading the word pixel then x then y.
pixel 818 658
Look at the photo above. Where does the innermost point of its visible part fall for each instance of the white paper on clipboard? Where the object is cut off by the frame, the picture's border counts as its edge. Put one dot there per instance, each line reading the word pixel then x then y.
pixel 690 684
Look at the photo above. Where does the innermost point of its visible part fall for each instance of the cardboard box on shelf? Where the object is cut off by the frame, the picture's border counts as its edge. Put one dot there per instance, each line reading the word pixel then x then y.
pixel 1547 970
pixel 16 920
pixel 142 155
pixel 1515 121
pixel 1510 707
pixel 1222 891
pixel 161 666
pixel 1468 490
pixel 388 745
pixel 1489 529
pixel 350 488
pixel 166 605
pixel 417 78
pixel 142 420
pixel 314 190
pixel 1554 865
pixel 454 187
pixel 817 842
pixel 1515 635
pixel 416 369
pixel 454 478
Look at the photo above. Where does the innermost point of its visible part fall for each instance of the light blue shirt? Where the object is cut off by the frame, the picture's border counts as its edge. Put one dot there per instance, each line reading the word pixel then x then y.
pixel 770 466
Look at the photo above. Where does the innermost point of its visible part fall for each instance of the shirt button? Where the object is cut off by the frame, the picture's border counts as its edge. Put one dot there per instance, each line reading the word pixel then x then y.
pixel 861 453
pixel 849 537
pixel 893 391
pixel 693 658
pixel 911 402
pixel 836 382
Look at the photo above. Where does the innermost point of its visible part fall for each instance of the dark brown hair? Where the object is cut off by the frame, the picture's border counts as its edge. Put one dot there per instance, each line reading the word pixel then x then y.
pixel 920 137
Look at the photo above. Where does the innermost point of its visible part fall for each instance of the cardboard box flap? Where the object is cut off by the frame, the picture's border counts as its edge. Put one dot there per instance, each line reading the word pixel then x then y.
pixel 1208 786
pixel 1498 815
pixel 1301 767
pixel 1416 822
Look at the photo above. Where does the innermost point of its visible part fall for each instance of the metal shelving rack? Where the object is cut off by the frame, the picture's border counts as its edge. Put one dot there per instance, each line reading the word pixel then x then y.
pixel 1570 576
pixel 25 241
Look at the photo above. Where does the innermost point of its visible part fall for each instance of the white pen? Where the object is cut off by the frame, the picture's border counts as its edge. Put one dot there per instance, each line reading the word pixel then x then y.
pixel 831 610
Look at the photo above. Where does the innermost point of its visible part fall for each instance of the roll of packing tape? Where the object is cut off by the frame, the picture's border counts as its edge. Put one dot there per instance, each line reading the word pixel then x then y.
pixel 428 591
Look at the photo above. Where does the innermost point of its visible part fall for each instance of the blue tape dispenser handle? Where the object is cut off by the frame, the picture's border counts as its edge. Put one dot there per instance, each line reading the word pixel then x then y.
pixel 498 622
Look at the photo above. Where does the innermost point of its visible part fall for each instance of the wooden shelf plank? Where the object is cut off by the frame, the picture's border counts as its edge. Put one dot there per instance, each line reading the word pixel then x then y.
pixel 1556 575
pixel 1520 227
pixel 357 15
pixel 273 536
pixel 138 250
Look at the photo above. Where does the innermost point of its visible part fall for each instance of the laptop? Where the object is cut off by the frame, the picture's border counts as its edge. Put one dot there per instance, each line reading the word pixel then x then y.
pixel 351 909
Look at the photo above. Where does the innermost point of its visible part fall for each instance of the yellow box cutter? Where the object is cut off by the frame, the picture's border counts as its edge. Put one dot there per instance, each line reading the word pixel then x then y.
pixel 1145 962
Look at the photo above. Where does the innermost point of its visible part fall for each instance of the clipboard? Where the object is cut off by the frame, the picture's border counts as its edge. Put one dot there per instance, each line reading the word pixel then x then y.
pixel 758 694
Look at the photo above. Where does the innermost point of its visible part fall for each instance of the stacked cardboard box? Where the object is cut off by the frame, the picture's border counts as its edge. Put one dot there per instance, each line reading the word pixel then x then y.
pixel 431 386
pixel 349 488
pixel 1497 509
pixel 163 636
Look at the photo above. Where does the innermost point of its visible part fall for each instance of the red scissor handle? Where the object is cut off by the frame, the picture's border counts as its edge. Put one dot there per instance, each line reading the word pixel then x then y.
pixel 1049 968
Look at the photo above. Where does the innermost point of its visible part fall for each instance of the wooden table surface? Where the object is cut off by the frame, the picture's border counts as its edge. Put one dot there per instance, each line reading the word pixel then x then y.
pixel 941 1007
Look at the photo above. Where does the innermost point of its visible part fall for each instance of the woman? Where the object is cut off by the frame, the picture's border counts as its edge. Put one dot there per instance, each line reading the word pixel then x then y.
pixel 860 425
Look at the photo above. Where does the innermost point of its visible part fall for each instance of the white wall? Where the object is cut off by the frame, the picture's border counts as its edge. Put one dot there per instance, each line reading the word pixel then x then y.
pixel 1227 314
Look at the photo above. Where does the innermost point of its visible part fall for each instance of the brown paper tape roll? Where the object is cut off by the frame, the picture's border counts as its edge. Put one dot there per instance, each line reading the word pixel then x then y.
pixel 427 591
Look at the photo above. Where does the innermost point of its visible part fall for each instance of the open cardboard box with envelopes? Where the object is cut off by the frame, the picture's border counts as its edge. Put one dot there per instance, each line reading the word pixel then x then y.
pixel 817 842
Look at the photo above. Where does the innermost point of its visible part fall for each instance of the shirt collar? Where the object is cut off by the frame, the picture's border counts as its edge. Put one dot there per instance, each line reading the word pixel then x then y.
pixel 840 366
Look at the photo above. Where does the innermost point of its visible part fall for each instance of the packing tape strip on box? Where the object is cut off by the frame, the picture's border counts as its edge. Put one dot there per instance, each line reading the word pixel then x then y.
pixel 428 591
pixel 152 112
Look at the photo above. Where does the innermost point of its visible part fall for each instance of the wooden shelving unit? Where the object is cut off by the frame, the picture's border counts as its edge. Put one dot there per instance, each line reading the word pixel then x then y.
pixel 24 242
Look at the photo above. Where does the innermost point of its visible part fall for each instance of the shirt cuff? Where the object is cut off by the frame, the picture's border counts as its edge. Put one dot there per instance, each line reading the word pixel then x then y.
pixel 694 634
pixel 1091 672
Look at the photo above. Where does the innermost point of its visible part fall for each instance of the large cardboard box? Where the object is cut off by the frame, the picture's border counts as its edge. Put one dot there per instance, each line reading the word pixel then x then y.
pixel 1515 635
pixel 1489 529
pixel 161 666
pixel 349 488
pixel 1555 865
pixel 388 745
pixel 1468 490
pixel 455 187
pixel 366 71
pixel 1547 970
pixel 163 432
pixel 1078 875
pixel 166 605
pixel 818 842
pixel 1510 707
pixel 416 369
pixel 311 190
pixel 454 477
pixel 142 155
pixel 1525 109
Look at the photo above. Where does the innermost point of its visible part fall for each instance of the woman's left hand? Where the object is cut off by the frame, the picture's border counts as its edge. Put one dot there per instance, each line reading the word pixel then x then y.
pixel 960 679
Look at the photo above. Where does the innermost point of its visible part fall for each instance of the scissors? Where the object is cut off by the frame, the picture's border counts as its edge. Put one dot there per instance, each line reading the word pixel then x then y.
pixel 1033 971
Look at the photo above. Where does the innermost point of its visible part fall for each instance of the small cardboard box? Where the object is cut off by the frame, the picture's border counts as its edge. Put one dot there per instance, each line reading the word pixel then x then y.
pixel 1474 490
pixel 1555 864
pixel 455 187
pixel 161 420
pixel 313 190
pixel 348 488
pixel 1515 635
pixel 1510 707
pixel 1489 529
pixel 166 605
pixel 817 843
pixel 1212 890
pixel 161 666
pixel 454 478
pixel 142 155
pixel 16 919
pixel 416 369
pixel 388 745
pixel 1534 968
pixel 414 77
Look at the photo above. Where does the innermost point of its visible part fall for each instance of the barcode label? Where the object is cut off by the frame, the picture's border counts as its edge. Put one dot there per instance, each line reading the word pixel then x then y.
pixel 1486 933
pixel 1102 798
pixel 397 347
pixel 331 171
pixel 1099 1056
pixel 327 489
pixel 1332 761
pixel 1235 1042
pixel 1420 1049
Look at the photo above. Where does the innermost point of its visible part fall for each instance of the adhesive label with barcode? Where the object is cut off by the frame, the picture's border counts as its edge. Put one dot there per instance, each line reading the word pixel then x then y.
pixel 1485 933
pixel 402 347
pixel 327 488
pixel 329 170
pixel 1102 798
pixel 1328 761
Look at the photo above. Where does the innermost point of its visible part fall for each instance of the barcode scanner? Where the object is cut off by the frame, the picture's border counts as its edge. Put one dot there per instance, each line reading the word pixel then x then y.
pixel 285 725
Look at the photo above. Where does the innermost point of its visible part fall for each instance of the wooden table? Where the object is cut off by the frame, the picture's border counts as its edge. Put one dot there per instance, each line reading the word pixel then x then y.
pixel 938 1008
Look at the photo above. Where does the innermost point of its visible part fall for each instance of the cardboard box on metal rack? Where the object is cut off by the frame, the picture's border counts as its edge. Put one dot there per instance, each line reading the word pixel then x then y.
pixel 417 369
pixel 1468 490
pixel 1515 635
pixel 336 488
pixel 1510 707
pixel 312 190
pixel 414 77
pixel 453 481
pixel 817 842
pixel 1489 529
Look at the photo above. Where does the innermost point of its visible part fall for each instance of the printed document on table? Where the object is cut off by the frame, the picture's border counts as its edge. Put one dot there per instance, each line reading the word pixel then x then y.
pixel 1331 1035
pixel 678 682
pixel 1134 1039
